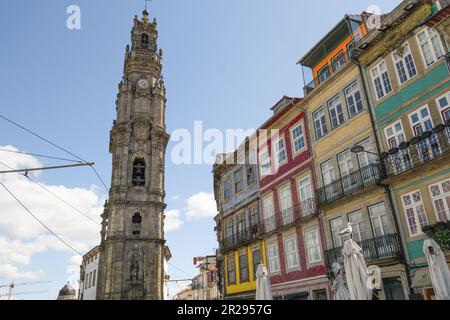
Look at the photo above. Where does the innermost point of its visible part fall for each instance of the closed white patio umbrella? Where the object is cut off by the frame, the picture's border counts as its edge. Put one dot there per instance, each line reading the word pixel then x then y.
pixel 440 274
pixel 355 270
pixel 263 286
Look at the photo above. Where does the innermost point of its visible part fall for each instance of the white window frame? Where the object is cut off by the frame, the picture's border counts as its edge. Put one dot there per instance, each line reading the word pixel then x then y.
pixel 264 162
pixel 395 134
pixel 380 75
pixel 323 129
pixel 277 151
pixel 333 104
pixel 307 185
pixel 270 225
pixel 359 228
pixel 271 259
pixel 300 138
pixel 336 236
pixel 331 170
pixel 293 253
pixel 402 59
pixel 345 163
pixel 377 216
pixel 414 206
pixel 422 120
pixel 315 246
pixel 350 91
pixel 443 197
pixel 429 42
pixel 441 108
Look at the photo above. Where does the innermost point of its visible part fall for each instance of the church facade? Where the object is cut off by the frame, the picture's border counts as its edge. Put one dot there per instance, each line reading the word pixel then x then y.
pixel 132 249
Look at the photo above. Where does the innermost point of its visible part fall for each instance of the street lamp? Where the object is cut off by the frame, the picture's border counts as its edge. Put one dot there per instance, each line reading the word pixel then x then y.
pixel 360 149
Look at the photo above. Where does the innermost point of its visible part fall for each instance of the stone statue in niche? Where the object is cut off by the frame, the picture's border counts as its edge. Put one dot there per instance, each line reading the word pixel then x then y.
pixel 135 264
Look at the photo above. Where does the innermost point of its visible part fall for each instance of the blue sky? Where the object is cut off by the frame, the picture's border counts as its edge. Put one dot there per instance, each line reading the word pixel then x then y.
pixel 225 63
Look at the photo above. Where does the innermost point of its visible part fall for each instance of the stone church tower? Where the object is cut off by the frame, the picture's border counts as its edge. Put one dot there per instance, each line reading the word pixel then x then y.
pixel 132 236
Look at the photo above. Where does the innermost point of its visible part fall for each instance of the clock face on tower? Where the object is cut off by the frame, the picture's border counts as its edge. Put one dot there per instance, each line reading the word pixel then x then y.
pixel 143 84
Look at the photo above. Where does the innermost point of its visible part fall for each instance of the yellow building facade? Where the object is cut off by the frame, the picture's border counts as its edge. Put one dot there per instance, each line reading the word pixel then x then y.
pixel 349 183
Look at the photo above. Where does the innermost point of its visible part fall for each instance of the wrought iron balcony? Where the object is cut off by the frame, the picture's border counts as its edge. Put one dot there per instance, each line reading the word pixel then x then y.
pixel 379 248
pixel 420 150
pixel 289 217
pixel 240 239
pixel 349 184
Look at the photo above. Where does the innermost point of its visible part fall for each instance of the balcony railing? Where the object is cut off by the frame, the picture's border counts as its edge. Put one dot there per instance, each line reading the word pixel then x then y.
pixel 379 248
pixel 349 184
pixel 338 62
pixel 420 150
pixel 289 217
pixel 240 239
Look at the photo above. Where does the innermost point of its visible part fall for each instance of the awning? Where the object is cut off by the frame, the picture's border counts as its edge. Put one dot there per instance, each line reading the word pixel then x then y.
pixel 421 278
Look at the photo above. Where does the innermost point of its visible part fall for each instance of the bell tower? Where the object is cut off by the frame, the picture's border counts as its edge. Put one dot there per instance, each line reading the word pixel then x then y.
pixel 132 235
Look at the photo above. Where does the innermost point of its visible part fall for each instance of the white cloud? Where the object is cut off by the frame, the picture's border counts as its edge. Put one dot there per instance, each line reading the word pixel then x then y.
pixel 201 206
pixel 29 236
pixel 8 271
pixel 172 221
pixel 175 198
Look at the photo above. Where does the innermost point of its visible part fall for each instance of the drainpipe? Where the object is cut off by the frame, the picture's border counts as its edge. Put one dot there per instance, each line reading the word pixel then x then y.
pixel 388 189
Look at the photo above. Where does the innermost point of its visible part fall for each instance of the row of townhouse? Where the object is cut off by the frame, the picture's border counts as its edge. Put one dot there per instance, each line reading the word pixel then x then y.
pixel 368 143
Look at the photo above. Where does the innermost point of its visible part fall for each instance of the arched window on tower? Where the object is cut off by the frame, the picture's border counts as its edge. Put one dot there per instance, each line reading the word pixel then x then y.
pixel 138 173
pixel 144 40
pixel 137 219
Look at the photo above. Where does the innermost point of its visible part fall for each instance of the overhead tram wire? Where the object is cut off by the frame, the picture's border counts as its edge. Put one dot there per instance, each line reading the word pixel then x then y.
pixel 56 146
pixel 40 155
pixel 41 222
pixel 55 195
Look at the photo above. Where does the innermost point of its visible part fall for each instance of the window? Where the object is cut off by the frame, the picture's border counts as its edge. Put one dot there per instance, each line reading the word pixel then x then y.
pixel 251 178
pixel 229 229
pixel 328 172
pixel 415 212
pixel 365 158
pixel 320 123
pixel 257 260
pixel 231 269
pixel 269 214
pixel 264 159
pixel 86 281
pixel 305 190
pixel 421 122
pixel 359 229
pixel 298 137
pixel 380 220
pixel 238 185
pixel 354 100
pixel 345 163
pixel 137 218
pixel 280 151
pixel 394 135
pixel 90 280
pixel 243 268
pixel 381 80
pixel 226 189
pixel 242 225
pixel 144 40
pixel 336 113
pixel 323 74
pixel 286 205
pixel 440 195
pixel 93 278
pixel 254 215
pixel 404 64
pixel 290 245
pixel 272 257
pixel 313 246
pixel 338 61
pixel 443 104
pixel 139 173
pixel 430 45
pixel 337 225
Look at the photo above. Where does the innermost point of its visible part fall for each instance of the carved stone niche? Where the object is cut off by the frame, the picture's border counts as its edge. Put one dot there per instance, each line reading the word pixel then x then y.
pixel 141 131
pixel 134 274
